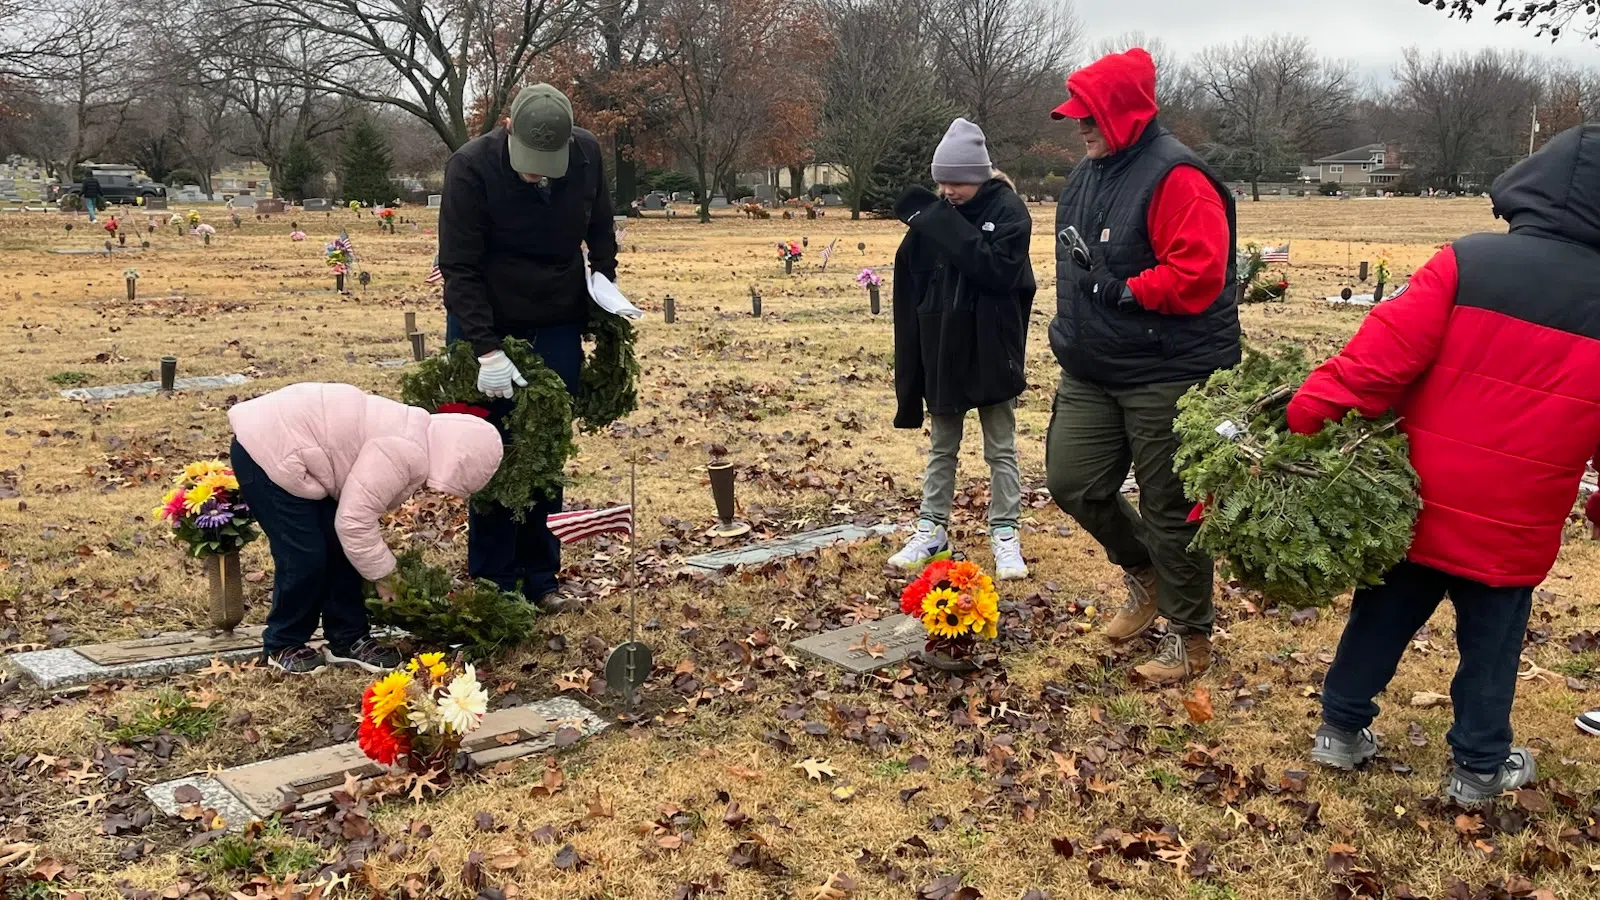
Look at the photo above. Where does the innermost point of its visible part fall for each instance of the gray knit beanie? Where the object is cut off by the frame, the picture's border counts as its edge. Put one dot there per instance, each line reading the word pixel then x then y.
pixel 962 157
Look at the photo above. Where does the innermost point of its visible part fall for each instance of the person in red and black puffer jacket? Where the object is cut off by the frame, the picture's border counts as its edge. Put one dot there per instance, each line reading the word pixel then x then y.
pixel 1491 358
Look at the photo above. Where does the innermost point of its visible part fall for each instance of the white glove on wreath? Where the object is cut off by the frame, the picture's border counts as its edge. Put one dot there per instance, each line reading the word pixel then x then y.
pixel 496 375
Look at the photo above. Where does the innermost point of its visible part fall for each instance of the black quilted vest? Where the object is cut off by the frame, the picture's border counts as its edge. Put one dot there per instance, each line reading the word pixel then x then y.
pixel 1108 200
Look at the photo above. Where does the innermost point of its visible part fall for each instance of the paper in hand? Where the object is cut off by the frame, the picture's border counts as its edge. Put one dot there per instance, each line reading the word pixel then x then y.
pixel 608 298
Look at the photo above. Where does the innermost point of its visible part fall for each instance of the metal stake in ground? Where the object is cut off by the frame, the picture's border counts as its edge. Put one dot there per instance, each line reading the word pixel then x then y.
pixel 755 302
pixel 671 309
pixel 722 473
pixel 630 663
pixel 419 346
pixel 411 323
pixel 169 372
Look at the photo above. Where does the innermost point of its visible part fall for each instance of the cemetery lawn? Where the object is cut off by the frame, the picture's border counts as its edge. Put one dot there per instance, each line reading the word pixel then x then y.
pixel 1050 774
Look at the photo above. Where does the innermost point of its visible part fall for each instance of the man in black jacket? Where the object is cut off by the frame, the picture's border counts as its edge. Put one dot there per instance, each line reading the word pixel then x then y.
pixel 93 196
pixel 520 204
pixel 963 289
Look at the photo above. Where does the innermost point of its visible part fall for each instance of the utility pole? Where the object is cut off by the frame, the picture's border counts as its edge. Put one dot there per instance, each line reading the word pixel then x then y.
pixel 1533 128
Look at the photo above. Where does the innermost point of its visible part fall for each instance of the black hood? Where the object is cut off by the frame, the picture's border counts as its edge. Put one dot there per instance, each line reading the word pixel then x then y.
pixel 1555 192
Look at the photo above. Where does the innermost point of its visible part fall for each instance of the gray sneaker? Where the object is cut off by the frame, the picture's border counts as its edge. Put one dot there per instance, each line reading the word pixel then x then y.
pixel 1340 749
pixel 297 660
pixel 367 654
pixel 1472 789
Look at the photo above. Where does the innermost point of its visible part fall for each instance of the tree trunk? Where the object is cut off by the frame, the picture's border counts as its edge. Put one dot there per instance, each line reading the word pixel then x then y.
pixel 1255 191
pixel 797 180
pixel 627 170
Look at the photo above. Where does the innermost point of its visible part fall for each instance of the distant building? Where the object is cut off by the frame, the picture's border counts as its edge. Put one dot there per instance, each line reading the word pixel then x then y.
pixel 1367 164
pixel 778 176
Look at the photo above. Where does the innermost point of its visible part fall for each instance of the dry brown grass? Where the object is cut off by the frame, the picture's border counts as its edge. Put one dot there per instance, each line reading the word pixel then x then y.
pixel 803 400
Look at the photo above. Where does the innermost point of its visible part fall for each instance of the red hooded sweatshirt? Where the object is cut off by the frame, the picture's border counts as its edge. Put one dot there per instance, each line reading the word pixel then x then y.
pixel 1187 223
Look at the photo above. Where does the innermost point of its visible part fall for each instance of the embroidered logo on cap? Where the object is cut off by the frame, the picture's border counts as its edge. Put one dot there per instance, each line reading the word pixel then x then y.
pixel 988 226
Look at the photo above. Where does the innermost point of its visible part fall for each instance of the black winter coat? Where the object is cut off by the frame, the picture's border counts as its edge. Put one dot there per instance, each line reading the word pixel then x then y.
pixel 963 292
pixel 512 252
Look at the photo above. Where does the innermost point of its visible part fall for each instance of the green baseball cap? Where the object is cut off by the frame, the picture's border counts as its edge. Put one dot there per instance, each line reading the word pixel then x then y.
pixel 541 127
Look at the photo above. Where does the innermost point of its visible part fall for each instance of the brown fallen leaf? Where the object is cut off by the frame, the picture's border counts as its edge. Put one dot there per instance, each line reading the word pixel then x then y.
pixel 1429 700
pixel 1198 705
pixel 837 887
pixel 600 807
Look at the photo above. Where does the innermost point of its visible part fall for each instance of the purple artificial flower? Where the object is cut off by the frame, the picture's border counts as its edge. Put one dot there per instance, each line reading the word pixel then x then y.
pixel 214 514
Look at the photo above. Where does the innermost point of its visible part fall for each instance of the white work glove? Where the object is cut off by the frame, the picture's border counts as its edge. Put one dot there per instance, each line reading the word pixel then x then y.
pixel 496 375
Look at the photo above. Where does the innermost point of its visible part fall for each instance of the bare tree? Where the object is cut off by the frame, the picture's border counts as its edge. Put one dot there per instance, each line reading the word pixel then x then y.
pixel 1002 61
pixel 1468 115
pixel 1273 98
pixel 454 64
pixel 83 70
pixel 875 91
pixel 721 57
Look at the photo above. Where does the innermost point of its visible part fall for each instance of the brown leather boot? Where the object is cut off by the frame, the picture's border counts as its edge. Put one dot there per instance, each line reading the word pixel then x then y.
pixel 1139 611
pixel 1179 657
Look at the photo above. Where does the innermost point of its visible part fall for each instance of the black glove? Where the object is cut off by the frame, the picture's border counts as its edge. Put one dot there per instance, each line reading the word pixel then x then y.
pixel 1100 286
pixel 914 200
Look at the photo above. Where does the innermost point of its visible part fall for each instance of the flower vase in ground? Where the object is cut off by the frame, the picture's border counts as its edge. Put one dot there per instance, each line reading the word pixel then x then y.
pixel 871 281
pixel 958 606
pixel 206 513
pixel 416 717
pixel 227 591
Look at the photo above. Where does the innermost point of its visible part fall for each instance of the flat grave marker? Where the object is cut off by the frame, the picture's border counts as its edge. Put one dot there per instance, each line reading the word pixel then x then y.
pixel 256 790
pixel 867 646
pixel 164 654
pixel 782 548
pixel 142 388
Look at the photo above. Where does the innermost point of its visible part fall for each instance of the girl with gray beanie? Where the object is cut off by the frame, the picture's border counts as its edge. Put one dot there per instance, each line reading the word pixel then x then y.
pixel 963 291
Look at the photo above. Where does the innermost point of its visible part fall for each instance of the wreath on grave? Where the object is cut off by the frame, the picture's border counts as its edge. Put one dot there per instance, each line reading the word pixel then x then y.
pixel 610 373
pixel 1300 518
pixel 477 618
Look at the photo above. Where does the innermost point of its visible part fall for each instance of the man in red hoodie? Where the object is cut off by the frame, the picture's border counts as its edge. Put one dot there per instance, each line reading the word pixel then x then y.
pixel 1491 357
pixel 1149 313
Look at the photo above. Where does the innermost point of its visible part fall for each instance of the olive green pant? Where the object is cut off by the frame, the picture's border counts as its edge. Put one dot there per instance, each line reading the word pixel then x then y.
pixel 1096 433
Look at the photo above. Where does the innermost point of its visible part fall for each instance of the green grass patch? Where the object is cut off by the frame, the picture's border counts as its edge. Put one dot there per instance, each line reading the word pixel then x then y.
pixel 170 712
pixel 69 379
pixel 1205 890
pixel 1581 665
pixel 273 853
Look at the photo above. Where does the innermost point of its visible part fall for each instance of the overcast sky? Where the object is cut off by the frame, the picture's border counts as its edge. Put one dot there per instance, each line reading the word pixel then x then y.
pixel 1187 26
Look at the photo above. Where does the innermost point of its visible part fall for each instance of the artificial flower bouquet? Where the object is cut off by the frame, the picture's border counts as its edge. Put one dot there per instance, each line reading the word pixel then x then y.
pixel 867 278
pixel 958 605
pixel 416 717
pixel 789 251
pixel 206 511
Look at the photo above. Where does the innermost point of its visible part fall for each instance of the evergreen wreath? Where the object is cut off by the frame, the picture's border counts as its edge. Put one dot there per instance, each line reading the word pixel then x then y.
pixel 609 380
pixel 477 617
pixel 540 422
pixel 1300 518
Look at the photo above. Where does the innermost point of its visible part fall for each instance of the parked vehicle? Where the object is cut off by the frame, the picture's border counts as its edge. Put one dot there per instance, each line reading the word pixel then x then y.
pixel 114 188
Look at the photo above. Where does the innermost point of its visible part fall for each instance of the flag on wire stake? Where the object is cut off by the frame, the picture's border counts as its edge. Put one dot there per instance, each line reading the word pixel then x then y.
pixel 1275 254
pixel 435 276
pixel 577 525
pixel 828 252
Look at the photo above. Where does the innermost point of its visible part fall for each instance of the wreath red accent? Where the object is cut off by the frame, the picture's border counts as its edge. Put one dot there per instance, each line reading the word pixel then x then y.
pixel 465 409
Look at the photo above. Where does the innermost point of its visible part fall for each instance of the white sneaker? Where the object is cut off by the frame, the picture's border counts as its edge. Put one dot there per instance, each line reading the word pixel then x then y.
pixel 1007 549
pixel 927 541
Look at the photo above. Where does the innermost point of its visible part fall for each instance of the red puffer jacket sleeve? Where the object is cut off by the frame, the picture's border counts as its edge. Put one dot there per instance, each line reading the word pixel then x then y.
pixel 1398 342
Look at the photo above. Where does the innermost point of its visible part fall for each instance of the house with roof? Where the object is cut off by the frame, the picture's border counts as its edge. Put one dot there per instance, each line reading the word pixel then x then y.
pixel 1369 164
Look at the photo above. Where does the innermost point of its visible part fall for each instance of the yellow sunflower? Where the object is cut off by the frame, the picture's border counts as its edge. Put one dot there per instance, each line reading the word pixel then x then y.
pixel 197 470
pixel 197 496
pixel 389 696
pixel 219 481
pixel 943 624
pixel 433 663
pixel 939 600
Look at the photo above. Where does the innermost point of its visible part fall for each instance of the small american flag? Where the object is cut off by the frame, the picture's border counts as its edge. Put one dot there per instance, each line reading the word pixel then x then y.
pixel 569 527
pixel 622 234
pixel 1275 254
pixel 828 252
pixel 435 276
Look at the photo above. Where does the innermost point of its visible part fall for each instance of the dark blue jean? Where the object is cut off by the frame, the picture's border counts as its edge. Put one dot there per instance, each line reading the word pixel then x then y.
pixel 312 579
pixel 1490 623
pixel 522 555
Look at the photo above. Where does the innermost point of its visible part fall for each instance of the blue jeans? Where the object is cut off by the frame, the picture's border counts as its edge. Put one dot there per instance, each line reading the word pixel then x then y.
pixel 312 578
pixel 1490 623
pixel 88 203
pixel 522 555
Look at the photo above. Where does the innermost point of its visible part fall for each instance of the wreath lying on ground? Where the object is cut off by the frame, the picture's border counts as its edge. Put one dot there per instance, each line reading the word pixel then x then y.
pixel 541 417
pixel 477 617
pixel 1302 519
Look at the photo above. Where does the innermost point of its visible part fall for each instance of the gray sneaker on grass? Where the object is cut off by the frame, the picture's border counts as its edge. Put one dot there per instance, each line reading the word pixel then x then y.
pixel 1340 749
pixel 1472 789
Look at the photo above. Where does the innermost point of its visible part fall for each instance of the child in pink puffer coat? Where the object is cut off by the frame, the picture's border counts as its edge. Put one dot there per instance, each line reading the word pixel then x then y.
pixel 319 465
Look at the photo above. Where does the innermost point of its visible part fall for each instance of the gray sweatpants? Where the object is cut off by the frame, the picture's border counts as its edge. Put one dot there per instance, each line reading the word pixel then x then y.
pixel 999 424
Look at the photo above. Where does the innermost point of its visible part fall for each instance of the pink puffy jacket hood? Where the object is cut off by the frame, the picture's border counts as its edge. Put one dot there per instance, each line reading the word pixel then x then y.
pixel 368 452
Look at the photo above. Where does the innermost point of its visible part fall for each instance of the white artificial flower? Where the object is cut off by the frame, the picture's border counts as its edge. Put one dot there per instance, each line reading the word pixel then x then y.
pixel 463 704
